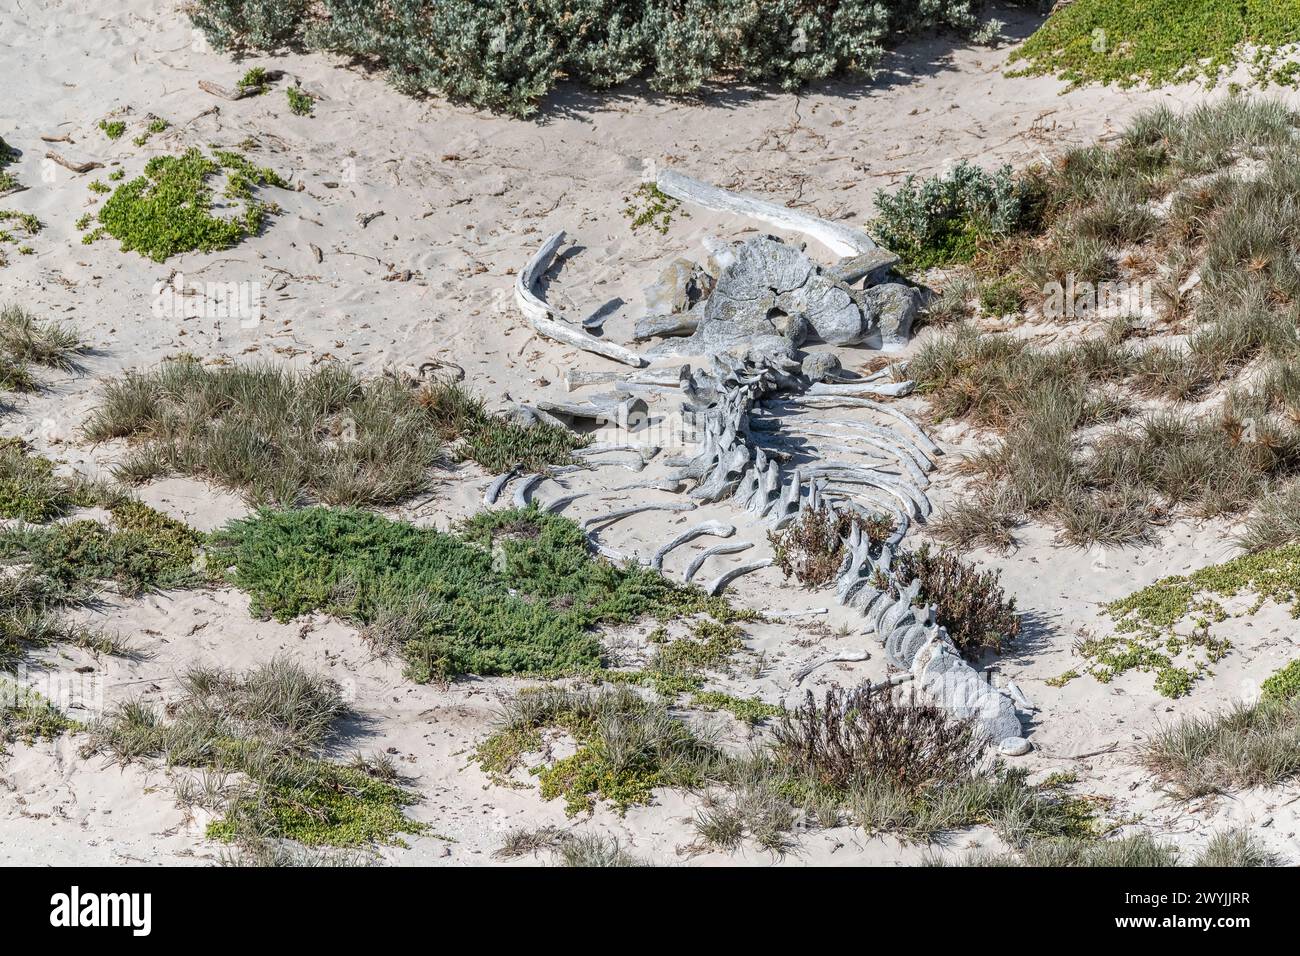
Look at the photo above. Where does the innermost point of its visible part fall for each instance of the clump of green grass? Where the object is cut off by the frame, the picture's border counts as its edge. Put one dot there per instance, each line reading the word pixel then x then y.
pixel 8 181
pixel 27 340
pixel 253 81
pixel 28 222
pixel 1228 848
pixel 1159 41
pixel 141 550
pixel 268 726
pixel 276 435
pixel 1284 684
pixel 168 210
pixel 648 205
pixel 301 103
pixel 113 129
pixel 26 716
pixel 1165 200
pixel 627 746
pixel 493 441
pixel 1250 745
pixel 284 437
pixel 750 710
pixel 512 592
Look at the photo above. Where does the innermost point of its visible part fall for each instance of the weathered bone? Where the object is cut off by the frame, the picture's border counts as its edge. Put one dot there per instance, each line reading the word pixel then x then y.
pixel 716 528
pixel 494 489
pixel 539 314
pixel 636 509
pixel 722 580
pixel 734 547
pixel 524 487
pixel 840 239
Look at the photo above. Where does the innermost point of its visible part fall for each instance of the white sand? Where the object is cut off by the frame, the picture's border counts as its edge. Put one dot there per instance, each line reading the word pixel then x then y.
pixel 466 197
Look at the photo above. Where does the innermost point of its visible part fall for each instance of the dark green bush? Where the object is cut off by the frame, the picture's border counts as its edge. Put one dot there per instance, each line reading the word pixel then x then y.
pixel 508 54
pixel 514 592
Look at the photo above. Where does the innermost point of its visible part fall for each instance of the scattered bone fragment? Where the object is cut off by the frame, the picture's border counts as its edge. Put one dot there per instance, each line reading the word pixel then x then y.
pixel 840 239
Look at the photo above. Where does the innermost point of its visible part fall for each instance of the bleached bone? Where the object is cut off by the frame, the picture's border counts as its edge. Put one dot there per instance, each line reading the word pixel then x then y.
pixel 828 401
pixel 840 239
pixel 597 409
pixel 636 509
pixel 726 577
pixel 552 507
pixel 645 451
pixel 539 314
pixel 859 389
pixel 494 489
pixel 913 498
pixel 843 657
pixel 716 528
pixel 800 612
pixel 524 487
pixel 734 547
pixel 897 446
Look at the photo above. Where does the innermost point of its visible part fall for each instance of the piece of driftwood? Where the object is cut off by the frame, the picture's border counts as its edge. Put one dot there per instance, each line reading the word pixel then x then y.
pixel 844 241
pixel 238 93
pixel 76 165
pixel 540 315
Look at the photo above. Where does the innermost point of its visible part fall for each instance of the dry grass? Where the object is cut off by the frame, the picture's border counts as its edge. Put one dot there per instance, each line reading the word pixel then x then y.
pixel 1247 746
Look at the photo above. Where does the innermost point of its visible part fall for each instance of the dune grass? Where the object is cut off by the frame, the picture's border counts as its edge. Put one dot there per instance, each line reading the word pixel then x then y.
pixel 285 438
pixel 256 738
pixel 1226 848
pixel 1107 436
pixel 27 717
pixel 879 761
pixel 1249 745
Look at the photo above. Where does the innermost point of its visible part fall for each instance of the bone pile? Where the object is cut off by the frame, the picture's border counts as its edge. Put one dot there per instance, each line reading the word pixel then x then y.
pixel 731 466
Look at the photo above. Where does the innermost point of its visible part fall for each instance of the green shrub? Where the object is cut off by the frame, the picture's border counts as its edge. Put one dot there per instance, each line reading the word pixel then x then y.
pixel 967 602
pixel 514 592
pixel 509 54
pixel 300 103
pixel 267 725
pixel 941 219
pixel 8 181
pixel 1160 41
pixel 168 210
pixel 1284 684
